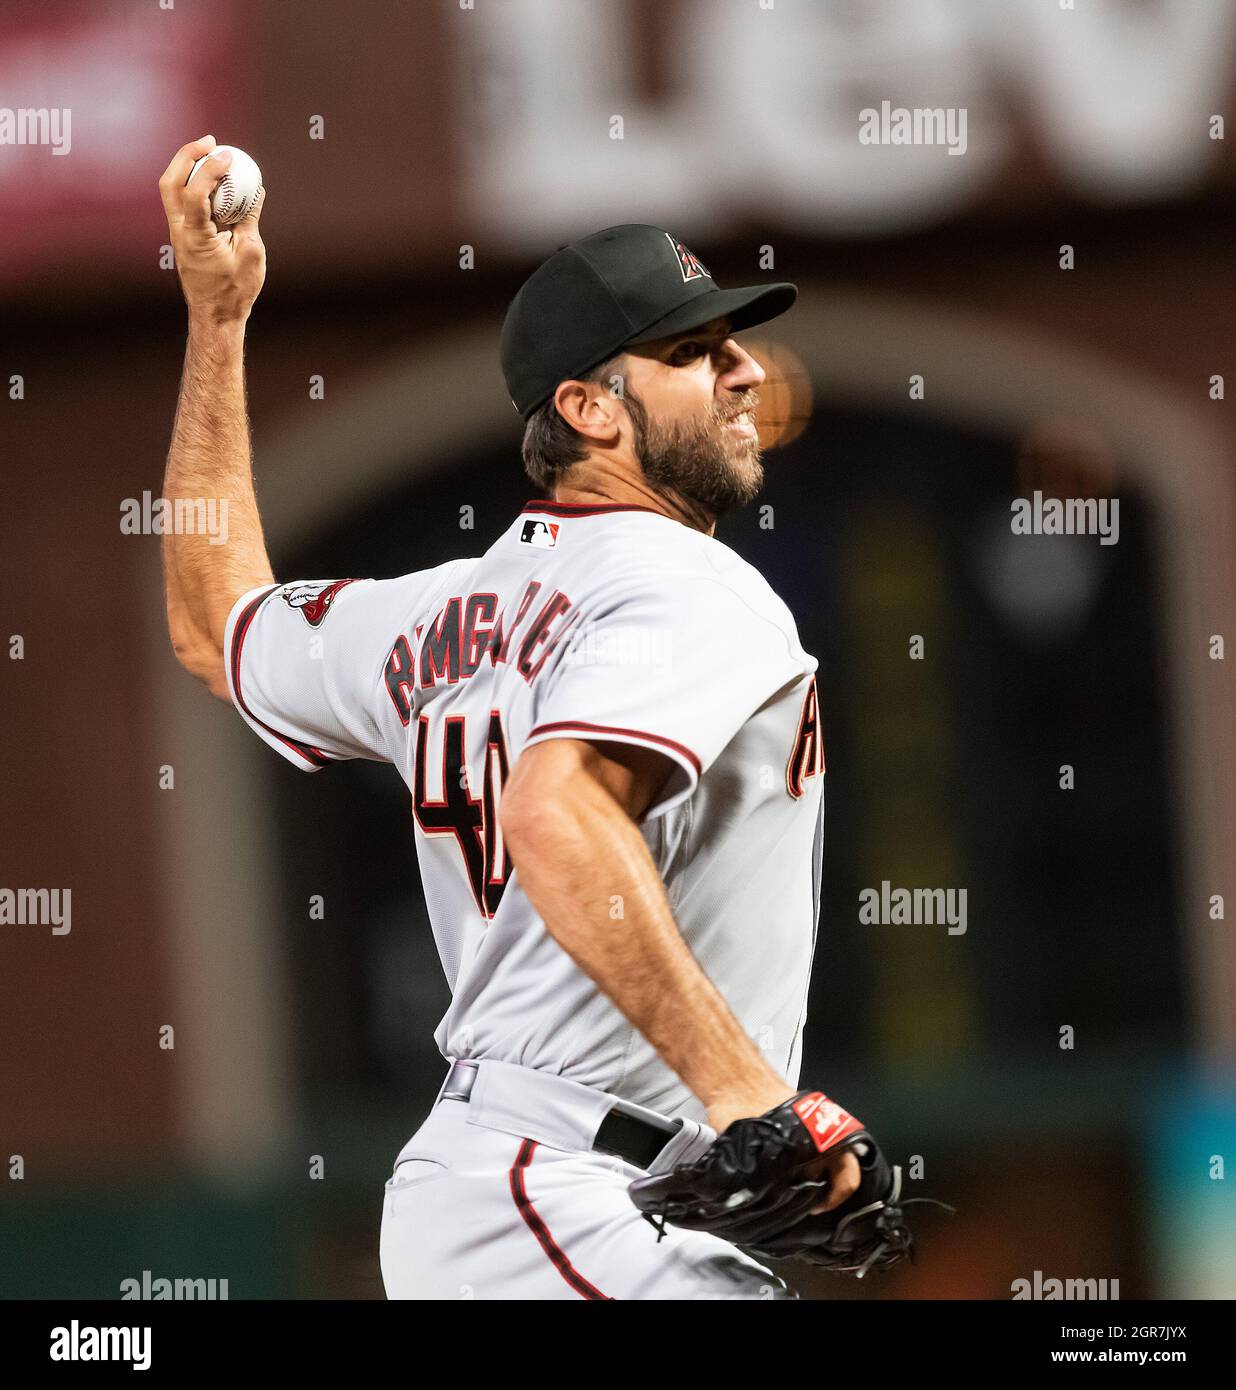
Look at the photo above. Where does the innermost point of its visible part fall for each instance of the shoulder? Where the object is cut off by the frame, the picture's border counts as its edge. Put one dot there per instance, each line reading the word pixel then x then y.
pixel 414 589
pixel 656 560
pixel 355 604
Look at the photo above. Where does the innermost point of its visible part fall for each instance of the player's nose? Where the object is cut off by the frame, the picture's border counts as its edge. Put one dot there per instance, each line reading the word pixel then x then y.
pixel 742 371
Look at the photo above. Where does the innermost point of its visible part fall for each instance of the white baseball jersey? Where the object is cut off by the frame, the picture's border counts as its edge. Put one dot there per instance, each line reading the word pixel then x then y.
pixel 609 623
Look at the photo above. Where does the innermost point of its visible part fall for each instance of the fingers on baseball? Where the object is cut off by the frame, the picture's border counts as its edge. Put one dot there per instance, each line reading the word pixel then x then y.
pixel 248 224
pixel 210 173
pixel 177 172
pixel 196 195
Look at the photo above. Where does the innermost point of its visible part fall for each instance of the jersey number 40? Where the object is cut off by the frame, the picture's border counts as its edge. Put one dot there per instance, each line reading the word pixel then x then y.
pixel 471 819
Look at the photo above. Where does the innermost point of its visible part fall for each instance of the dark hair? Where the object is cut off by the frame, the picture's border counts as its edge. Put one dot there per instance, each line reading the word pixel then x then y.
pixel 551 445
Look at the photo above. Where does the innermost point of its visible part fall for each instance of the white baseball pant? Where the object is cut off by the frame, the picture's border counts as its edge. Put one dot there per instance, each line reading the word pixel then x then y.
pixel 503 1197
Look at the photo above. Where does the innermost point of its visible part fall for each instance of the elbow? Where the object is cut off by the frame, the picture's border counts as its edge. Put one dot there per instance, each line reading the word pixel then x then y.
pixel 517 816
pixel 216 683
pixel 554 803
pixel 530 816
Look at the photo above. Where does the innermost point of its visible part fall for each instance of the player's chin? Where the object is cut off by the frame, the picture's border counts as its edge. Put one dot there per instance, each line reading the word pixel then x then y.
pixel 747 473
pixel 741 488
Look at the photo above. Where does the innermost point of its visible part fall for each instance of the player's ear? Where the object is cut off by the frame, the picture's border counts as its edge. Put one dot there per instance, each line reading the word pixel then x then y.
pixel 589 408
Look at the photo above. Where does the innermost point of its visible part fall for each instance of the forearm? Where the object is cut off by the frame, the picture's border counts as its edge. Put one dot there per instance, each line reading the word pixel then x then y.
pixel 586 869
pixel 211 460
pixel 209 464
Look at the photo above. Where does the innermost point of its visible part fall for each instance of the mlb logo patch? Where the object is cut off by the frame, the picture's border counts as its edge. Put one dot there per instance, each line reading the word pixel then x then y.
pixel 542 534
pixel 688 262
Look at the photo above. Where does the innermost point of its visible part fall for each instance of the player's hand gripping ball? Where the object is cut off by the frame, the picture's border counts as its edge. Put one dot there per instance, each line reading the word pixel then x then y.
pixel 238 190
pixel 759 1183
pixel 221 265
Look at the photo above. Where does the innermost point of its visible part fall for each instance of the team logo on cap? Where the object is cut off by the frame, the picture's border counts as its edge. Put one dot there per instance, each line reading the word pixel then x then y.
pixel 313 601
pixel 688 262
pixel 543 534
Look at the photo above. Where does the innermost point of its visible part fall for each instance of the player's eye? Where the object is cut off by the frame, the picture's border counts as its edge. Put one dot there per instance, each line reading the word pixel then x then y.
pixel 688 352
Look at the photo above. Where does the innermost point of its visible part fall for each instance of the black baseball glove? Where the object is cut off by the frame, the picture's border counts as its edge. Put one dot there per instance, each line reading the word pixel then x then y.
pixel 756 1184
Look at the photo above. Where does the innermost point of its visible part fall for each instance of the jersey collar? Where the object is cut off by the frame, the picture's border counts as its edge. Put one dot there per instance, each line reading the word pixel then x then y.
pixel 552 508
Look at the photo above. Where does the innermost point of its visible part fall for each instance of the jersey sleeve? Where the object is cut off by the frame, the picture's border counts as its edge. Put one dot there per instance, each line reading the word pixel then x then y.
pixel 305 662
pixel 679 669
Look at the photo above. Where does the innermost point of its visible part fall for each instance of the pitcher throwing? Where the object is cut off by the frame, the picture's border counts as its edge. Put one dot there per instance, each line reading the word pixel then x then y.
pixel 611 737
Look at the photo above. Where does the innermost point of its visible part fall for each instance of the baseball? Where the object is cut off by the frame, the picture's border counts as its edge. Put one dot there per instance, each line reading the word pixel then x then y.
pixel 238 190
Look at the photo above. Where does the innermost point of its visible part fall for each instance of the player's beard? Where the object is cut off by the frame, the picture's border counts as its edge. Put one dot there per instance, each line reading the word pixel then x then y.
pixel 699 459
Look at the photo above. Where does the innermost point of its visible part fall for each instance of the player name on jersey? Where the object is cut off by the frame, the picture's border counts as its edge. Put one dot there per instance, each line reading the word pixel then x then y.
pixel 470 628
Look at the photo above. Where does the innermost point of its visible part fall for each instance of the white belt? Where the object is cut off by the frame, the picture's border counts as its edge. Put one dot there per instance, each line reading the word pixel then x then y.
pixel 565 1114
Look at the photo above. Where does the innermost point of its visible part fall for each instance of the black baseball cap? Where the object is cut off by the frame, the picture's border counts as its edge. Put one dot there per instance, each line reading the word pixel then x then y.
pixel 615 288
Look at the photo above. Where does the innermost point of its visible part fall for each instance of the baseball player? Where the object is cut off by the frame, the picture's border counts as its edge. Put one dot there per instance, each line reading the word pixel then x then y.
pixel 611 738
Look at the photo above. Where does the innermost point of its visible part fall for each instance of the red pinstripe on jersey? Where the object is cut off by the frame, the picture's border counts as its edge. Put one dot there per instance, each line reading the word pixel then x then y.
pixel 577 726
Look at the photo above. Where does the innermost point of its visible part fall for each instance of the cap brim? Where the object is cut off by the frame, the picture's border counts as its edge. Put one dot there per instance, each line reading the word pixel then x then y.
pixel 744 307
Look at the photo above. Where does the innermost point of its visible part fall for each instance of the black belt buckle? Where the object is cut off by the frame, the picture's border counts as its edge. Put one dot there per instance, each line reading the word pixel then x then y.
pixel 637 1138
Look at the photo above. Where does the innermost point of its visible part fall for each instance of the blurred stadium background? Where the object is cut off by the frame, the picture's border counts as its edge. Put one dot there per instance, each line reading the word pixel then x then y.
pixel 460 145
